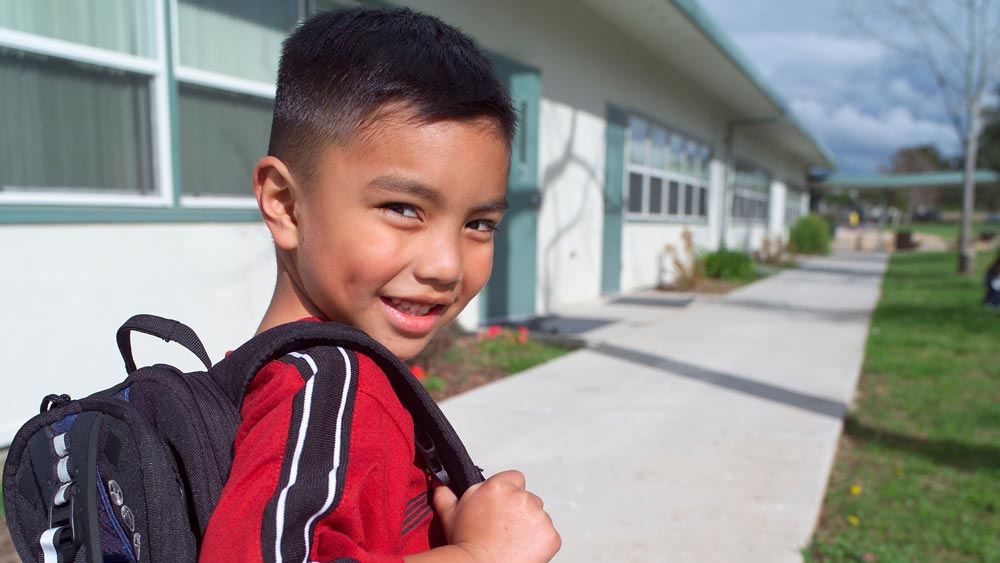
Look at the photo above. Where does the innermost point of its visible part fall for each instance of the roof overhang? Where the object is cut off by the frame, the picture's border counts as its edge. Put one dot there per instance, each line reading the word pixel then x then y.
pixel 683 36
pixel 950 179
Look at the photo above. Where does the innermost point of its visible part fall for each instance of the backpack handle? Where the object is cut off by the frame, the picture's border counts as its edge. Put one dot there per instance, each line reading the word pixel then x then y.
pixel 167 329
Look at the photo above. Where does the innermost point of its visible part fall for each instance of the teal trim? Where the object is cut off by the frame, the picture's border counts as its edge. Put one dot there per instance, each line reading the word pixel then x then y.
pixel 700 221
pixel 47 215
pixel 510 293
pixel 172 93
pixel 702 21
pixel 614 189
pixel 950 179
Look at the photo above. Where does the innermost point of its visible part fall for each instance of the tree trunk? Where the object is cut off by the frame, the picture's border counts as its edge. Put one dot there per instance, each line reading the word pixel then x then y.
pixel 966 255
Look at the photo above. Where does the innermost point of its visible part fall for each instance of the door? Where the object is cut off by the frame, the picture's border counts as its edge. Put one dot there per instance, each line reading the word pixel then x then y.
pixel 510 293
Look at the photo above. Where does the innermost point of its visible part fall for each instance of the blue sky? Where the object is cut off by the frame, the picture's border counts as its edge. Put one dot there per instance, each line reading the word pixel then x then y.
pixel 861 99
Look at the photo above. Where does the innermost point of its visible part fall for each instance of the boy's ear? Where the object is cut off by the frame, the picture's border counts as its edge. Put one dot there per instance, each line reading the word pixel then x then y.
pixel 276 194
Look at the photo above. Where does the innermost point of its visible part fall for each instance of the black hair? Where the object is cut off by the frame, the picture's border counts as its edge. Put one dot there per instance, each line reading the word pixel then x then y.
pixel 339 69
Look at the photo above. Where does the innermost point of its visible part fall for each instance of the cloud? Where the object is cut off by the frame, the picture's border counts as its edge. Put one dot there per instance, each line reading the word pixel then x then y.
pixel 895 127
pixel 859 97
pixel 774 51
pixel 862 141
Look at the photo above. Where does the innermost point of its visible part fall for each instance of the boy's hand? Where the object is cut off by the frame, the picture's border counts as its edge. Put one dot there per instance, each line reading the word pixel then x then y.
pixel 498 521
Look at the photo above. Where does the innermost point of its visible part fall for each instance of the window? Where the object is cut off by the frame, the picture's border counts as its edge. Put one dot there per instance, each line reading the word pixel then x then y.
pixel 668 173
pixel 751 189
pixel 96 115
pixel 228 55
pixel 78 87
pixel 106 149
pixel 796 200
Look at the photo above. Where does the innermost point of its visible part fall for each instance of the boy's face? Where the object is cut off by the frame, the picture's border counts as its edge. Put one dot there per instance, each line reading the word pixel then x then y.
pixel 395 233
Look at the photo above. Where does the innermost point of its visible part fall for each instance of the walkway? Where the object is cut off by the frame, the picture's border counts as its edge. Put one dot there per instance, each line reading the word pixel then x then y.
pixel 701 431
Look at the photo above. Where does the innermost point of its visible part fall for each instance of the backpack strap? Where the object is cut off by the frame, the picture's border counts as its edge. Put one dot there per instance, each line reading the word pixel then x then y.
pixel 167 329
pixel 436 439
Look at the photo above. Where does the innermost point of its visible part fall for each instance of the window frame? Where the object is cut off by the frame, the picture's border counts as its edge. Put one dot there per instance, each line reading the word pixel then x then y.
pixel 215 81
pixel 794 213
pixel 161 66
pixel 675 170
pixel 749 193
pixel 152 67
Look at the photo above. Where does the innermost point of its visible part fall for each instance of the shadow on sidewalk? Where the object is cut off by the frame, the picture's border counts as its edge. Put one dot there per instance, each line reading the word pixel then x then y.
pixel 967 457
pixel 766 391
pixel 845 271
pixel 840 315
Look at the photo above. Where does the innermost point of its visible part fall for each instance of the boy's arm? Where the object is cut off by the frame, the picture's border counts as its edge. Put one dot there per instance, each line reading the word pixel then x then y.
pixel 495 521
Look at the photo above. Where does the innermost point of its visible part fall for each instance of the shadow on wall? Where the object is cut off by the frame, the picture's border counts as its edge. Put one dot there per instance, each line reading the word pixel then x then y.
pixel 579 205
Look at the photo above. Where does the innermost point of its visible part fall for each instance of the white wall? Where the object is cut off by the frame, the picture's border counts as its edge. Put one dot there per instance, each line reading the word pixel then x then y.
pixel 67 289
pixel 571 218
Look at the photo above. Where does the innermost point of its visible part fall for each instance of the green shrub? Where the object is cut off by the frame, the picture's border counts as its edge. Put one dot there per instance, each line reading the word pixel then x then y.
pixel 810 235
pixel 729 265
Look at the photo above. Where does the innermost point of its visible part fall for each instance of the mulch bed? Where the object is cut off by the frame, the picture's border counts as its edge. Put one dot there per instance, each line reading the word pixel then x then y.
pixel 447 356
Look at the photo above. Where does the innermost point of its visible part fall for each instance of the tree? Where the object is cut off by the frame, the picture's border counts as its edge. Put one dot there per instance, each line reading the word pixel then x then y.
pixel 917 158
pixel 958 43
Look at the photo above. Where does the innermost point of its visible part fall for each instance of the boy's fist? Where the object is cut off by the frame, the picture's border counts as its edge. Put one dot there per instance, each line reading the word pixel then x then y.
pixel 498 521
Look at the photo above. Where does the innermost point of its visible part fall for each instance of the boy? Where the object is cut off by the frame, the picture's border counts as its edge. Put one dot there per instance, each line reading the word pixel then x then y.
pixel 384 182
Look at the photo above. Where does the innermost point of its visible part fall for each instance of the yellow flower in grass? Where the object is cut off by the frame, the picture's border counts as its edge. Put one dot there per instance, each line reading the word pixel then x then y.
pixel 855 490
pixel 853 520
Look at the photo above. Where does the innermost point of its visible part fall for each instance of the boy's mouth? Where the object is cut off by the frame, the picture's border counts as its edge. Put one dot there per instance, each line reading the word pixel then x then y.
pixel 413 308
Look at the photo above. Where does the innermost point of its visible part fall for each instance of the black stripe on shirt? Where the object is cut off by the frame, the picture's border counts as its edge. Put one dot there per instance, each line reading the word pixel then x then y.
pixel 299 505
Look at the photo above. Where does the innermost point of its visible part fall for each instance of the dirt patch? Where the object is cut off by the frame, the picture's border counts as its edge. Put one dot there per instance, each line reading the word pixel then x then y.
pixel 710 286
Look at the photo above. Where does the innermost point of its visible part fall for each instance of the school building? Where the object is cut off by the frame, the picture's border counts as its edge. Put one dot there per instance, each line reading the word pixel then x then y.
pixel 129 129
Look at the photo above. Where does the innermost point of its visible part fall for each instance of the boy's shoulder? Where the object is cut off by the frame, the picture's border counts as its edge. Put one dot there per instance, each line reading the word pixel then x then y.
pixel 348 380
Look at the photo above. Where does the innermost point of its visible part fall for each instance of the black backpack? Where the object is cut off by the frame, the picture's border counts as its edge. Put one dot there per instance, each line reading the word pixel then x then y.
pixel 133 473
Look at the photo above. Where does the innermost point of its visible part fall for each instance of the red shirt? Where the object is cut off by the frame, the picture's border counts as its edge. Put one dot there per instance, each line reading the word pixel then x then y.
pixel 323 467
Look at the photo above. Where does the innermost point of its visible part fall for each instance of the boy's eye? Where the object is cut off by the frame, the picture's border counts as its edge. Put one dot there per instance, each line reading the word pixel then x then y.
pixel 402 209
pixel 482 225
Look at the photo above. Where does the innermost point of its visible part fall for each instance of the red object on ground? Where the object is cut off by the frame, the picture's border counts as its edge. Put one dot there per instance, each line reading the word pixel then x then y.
pixel 493 332
pixel 522 334
pixel 418 372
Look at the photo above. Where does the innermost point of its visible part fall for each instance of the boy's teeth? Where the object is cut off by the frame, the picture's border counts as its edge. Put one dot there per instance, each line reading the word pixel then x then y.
pixel 410 308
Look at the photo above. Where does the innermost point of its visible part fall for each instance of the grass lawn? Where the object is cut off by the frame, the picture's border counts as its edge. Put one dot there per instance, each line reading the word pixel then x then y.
pixel 949 231
pixel 917 474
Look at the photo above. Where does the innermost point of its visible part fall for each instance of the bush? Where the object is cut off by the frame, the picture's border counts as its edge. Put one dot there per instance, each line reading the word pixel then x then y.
pixel 810 235
pixel 729 265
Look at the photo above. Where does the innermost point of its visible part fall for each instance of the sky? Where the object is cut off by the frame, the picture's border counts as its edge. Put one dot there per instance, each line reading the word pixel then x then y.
pixel 860 98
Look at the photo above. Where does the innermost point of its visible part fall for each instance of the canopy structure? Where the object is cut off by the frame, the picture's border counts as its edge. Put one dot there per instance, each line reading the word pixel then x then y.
pixel 950 179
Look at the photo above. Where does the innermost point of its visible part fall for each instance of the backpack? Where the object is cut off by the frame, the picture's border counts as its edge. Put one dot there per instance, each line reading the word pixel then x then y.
pixel 133 473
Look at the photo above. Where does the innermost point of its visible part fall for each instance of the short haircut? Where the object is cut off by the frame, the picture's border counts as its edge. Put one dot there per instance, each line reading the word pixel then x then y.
pixel 339 69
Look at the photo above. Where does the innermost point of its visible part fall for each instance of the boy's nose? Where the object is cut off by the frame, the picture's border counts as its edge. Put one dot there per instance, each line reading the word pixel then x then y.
pixel 440 261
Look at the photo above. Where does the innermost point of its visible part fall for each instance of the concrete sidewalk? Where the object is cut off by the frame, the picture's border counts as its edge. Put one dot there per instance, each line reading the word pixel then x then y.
pixel 688 430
